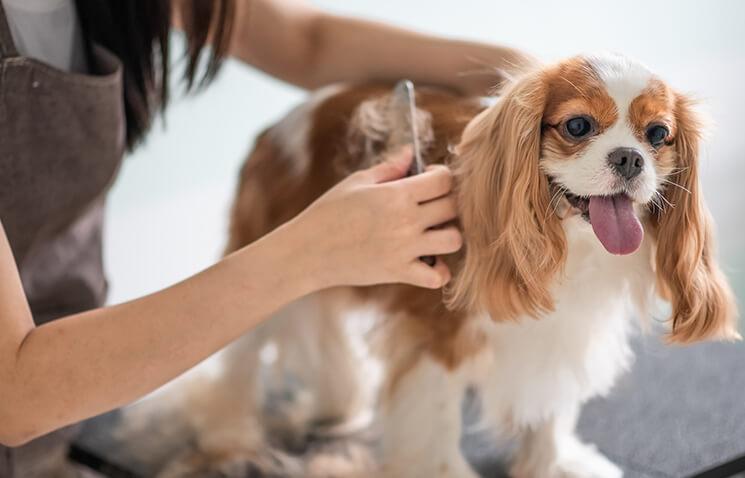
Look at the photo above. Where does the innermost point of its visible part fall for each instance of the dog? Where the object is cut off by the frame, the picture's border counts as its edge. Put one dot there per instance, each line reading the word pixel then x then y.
pixel 579 203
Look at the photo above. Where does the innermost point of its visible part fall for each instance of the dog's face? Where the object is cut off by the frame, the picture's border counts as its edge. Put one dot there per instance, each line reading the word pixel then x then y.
pixel 607 145
pixel 595 139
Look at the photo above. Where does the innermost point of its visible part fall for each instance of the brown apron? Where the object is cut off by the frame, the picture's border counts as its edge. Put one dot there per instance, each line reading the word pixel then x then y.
pixel 62 136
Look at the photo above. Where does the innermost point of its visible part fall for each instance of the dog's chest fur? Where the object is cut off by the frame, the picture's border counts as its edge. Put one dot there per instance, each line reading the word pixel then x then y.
pixel 532 368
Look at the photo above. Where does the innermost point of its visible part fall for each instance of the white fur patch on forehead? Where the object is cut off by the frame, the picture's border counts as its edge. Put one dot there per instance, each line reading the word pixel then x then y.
pixel 624 78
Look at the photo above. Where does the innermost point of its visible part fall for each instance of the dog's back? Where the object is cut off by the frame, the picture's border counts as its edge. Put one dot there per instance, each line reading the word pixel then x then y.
pixel 335 132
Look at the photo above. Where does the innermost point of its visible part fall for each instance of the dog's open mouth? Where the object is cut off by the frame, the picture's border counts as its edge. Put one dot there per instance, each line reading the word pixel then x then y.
pixel 580 203
pixel 613 220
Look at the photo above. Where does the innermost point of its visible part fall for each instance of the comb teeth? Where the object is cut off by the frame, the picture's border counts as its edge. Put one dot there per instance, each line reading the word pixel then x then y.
pixel 401 113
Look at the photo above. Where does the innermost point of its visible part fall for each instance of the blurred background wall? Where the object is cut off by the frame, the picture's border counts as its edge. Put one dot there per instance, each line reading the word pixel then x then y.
pixel 167 214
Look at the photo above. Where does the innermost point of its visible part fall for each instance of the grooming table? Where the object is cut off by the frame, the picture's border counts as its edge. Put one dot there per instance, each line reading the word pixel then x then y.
pixel 680 412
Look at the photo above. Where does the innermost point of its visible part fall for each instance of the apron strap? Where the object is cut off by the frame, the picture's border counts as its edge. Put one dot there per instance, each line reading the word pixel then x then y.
pixel 7 46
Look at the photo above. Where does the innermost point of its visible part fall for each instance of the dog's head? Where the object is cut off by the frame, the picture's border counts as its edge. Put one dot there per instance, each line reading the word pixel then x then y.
pixel 599 142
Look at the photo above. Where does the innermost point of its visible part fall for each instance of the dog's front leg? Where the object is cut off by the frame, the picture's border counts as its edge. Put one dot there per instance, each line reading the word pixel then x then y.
pixel 421 423
pixel 553 450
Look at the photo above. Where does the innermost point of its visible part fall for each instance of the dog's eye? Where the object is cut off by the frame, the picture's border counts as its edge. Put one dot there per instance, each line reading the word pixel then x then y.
pixel 656 134
pixel 578 128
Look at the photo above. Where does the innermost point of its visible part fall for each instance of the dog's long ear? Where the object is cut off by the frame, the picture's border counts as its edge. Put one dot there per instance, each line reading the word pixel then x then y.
pixel 514 242
pixel 688 275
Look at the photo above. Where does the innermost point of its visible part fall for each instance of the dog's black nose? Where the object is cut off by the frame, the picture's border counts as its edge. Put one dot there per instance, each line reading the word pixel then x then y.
pixel 628 162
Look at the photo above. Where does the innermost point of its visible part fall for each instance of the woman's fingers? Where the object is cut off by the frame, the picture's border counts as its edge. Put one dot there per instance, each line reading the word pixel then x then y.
pixel 374 226
pixel 434 182
pixel 434 277
pixel 438 211
pixel 441 241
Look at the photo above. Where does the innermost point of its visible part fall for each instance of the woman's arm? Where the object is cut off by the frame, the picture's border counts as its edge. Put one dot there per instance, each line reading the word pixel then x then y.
pixel 76 367
pixel 294 41
pixel 365 230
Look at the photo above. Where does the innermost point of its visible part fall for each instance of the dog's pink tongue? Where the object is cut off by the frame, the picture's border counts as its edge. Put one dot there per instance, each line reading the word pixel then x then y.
pixel 615 223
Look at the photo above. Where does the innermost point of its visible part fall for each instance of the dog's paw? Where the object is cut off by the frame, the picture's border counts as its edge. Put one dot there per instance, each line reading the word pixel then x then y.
pixel 200 467
pixel 453 468
pixel 573 459
pixel 585 461
pixel 195 463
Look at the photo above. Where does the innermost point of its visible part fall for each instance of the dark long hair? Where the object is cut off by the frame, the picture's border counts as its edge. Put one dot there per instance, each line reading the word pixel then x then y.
pixel 137 32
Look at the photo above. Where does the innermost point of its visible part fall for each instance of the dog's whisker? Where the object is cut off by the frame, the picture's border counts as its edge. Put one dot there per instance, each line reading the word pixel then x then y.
pixel 673 183
pixel 677 170
pixel 551 202
pixel 661 196
pixel 656 203
pixel 555 200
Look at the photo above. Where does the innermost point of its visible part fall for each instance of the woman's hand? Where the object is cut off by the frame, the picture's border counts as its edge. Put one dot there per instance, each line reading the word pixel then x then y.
pixel 372 227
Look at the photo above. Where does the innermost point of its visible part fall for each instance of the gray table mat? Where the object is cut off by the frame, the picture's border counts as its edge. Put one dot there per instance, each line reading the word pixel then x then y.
pixel 679 412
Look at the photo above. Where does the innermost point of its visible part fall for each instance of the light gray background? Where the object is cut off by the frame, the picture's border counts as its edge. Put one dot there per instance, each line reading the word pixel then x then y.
pixel 167 214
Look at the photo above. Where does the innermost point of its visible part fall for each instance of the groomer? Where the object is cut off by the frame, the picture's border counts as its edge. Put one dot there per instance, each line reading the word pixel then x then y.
pixel 79 85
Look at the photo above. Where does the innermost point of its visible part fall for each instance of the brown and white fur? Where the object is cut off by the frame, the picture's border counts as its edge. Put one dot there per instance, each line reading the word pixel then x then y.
pixel 538 314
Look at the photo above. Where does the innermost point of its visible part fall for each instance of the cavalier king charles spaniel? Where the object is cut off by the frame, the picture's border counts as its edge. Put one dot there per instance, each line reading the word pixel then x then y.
pixel 579 203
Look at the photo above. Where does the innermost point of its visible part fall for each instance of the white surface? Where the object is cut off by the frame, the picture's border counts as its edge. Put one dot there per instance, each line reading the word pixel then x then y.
pixel 167 214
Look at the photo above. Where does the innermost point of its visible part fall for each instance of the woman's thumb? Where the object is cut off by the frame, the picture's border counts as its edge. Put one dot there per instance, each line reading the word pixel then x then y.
pixel 394 167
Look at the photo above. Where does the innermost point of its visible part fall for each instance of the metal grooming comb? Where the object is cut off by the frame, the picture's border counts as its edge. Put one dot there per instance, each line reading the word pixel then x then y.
pixel 402 117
